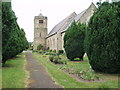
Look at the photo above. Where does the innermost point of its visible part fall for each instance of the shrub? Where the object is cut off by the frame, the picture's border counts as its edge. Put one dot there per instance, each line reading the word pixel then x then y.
pixel 40 47
pixel 57 60
pixel 60 52
pixel 54 51
pixel 64 61
pixel 74 41
pixel 49 50
pixel 51 57
pixel 48 53
pixel 104 38
pixel 31 48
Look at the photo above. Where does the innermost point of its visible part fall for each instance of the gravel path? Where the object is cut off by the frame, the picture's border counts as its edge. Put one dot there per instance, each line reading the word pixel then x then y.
pixel 39 77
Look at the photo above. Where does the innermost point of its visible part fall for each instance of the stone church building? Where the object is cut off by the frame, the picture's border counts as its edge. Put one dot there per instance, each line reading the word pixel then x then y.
pixel 54 40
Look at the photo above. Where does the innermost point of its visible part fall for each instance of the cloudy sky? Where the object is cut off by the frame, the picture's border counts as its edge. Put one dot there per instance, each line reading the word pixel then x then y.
pixel 55 10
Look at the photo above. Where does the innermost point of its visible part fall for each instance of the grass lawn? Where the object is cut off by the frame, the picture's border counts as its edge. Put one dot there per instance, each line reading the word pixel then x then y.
pixel 64 79
pixel 14 74
pixel 0 77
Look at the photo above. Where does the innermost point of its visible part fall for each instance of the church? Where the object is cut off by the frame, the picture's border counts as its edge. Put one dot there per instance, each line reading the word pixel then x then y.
pixel 54 40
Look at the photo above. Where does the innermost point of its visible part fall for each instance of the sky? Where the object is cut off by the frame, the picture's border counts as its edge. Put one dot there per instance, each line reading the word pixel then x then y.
pixel 55 10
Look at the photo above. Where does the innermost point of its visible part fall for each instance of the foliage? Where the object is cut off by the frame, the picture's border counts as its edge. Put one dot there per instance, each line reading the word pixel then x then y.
pixel 49 50
pixel 57 59
pixel 48 53
pixel 103 38
pixel 74 41
pixel 88 75
pixel 76 59
pixel 67 81
pixel 40 47
pixel 60 52
pixel 54 51
pixel 40 51
pixel 51 57
pixel 13 38
pixel 30 45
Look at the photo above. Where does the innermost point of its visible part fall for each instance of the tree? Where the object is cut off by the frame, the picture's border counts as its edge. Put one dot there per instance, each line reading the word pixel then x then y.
pixel 104 38
pixel 13 38
pixel 74 41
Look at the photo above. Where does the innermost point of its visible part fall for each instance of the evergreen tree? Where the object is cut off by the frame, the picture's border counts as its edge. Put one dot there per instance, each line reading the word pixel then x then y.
pixel 74 41
pixel 104 38
pixel 13 38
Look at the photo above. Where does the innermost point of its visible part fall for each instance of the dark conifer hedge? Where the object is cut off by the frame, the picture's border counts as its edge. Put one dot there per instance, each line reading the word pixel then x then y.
pixel 13 38
pixel 103 47
pixel 74 41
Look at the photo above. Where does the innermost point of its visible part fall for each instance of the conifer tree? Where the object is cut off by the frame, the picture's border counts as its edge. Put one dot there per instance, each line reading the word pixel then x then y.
pixel 74 41
pixel 13 38
pixel 104 38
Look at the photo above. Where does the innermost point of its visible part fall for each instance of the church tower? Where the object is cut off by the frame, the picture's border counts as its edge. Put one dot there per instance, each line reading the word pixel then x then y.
pixel 40 30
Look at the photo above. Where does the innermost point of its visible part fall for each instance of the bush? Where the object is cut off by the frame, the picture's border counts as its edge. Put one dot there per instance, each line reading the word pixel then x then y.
pixel 64 61
pixel 54 51
pixel 57 60
pixel 48 53
pixel 88 75
pixel 51 57
pixel 60 52
pixel 104 38
pixel 40 47
pixel 31 48
pixel 74 41
pixel 49 50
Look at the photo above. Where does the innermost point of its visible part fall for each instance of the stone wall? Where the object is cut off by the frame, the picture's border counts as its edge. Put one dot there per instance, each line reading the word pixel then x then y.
pixel 63 34
pixel 40 31
pixel 54 42
pixel 87 15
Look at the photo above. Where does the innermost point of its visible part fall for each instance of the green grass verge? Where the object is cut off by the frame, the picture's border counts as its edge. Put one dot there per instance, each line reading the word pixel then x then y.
pixel 64 79
pixel 0 78
pixel 14 74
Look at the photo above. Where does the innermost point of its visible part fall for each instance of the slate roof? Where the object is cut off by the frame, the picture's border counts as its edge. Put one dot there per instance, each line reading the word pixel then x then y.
pixel 65 23
pixel 79 16
pixel 76 18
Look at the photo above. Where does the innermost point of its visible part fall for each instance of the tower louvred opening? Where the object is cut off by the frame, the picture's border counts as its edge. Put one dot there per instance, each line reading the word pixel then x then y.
pixel 40 21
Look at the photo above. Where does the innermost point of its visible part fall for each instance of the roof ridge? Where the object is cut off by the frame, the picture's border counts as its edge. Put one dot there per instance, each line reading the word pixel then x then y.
pixel 61 24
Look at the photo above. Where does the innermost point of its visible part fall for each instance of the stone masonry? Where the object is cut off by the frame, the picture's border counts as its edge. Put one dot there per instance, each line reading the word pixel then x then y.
pixel 55 39
pixel 40 30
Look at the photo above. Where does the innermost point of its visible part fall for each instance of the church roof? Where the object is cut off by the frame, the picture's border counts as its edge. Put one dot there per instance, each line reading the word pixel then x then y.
pixel 64 23
pixel 79 16
pixel 76 18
